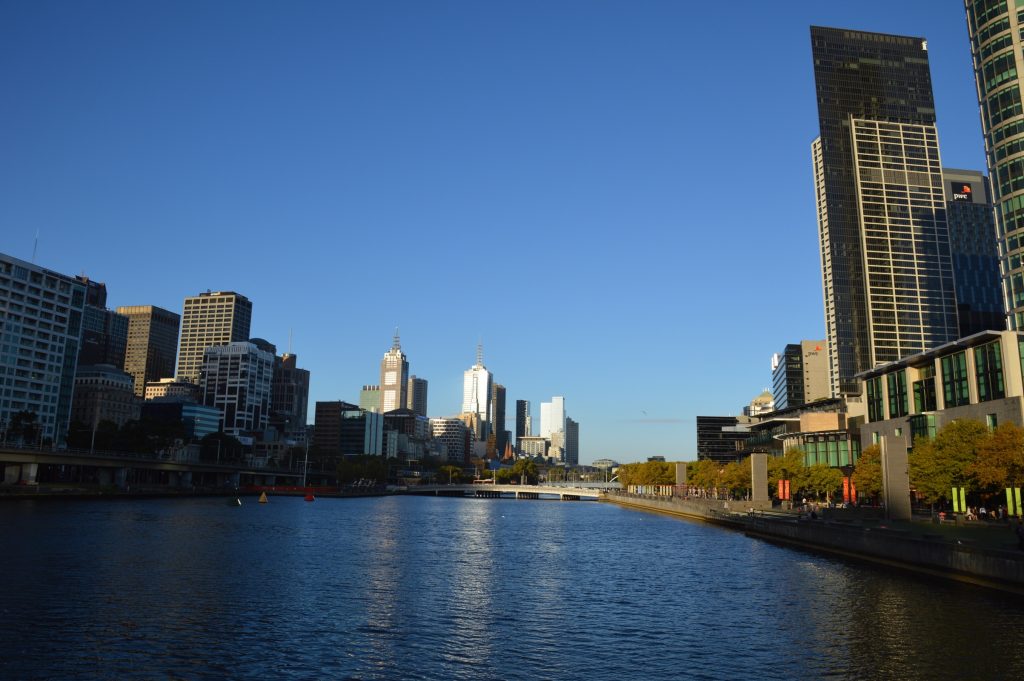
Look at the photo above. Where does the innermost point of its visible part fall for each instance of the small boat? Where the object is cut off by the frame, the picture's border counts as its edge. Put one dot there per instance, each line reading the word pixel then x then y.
pixel 310 497
pixel 234 502
pixel 263 497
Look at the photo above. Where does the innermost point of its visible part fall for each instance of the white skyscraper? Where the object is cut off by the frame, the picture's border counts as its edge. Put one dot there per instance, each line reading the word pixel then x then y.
pixel 552 417
pixel 394 378
pixel 476 393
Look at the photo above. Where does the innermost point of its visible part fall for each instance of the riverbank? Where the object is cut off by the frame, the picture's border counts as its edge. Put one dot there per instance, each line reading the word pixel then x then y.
pixel 83 492
pixel 983 556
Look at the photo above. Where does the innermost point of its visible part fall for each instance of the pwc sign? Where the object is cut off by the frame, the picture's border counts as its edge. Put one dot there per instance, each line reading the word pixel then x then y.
pixel 961 191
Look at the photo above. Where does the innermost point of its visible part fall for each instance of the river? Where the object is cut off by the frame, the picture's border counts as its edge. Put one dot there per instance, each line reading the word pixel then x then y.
pixel 443 588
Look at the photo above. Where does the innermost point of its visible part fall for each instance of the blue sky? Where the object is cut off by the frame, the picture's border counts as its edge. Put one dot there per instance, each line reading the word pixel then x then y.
pixel 615 196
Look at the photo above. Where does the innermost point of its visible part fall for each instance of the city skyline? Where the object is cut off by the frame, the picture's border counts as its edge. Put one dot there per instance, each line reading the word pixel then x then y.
pixel 610 160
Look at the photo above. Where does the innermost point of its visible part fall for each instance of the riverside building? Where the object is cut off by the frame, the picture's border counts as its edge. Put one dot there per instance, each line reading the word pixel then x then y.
pixel 800 374
pixel 236 379
pixel 886 264
pixel 476 396
pixel 996 45
pixel 40 334
pixel 209 319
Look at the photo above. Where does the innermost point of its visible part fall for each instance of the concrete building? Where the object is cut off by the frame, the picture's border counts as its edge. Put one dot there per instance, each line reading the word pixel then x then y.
pixel 289 396
pixel 236 379
pixel 198 420
pixel 497 417
pixel 168 387
pixel 572 442
pixel 103 392
pixel 977 377
pixel 455 436
pixel 886 266
pixel 394 378
pixel 533 446
pixel 996 45
pixel 721 438
pixel 369 398
pixel 407 435
pixel 552 417
pixel 209 319
pixel 975 253
pixel 762 404
pixel 800 374
pixel 104 332
pixel 152 344
pixel 476 396
pixel 417 396
pixel 40 334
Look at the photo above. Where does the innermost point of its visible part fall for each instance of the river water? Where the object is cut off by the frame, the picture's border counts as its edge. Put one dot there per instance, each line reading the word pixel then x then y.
pixel 442 588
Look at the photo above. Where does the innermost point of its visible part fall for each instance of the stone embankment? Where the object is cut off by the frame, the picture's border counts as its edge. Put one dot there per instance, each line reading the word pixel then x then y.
pixel 908 546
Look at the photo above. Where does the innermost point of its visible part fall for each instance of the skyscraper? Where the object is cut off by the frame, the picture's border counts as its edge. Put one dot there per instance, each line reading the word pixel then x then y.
pixel 552 417
pixel 41 319
pixel 289 395
pixel 886 265
pixel 476 395
pixel 152 344
pixel 417 396
pixel 236 379
pixel 800 374
pixel 996 46
pixel 394 377
pixel 211 318
pixel 972 243
pixel 497 418
pixel 572 442
pixel 104 332
pixel 522 421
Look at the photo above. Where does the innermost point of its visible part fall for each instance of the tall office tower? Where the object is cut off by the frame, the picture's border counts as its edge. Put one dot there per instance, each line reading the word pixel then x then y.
pixel 369 398
pixel 394 378
pixel 209 319
pixel 476 395
pixel 972 242
pixel 417 396
pixel 572 443
pixel 289 395
pixel 104 332
pixel 886 267
pixel 552 417
pixel 152 344
pixel 40 332
pixel 455 437
pixel 800 374
pixel 522 419
pixel 996 46
pixel 718 437
pixel 343 429
pixel 236 379
pixel 497 418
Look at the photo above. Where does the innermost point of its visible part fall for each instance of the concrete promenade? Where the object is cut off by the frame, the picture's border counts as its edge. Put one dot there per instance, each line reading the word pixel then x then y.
pixel 981 555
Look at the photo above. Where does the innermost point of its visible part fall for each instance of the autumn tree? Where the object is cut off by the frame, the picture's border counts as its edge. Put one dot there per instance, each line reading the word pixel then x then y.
pixel 1000 460
pixel 867 475
pixel 647 473
pixel 736 477
pixel 821 480
pixel 789 466
pixel 703 473
pixel 938 465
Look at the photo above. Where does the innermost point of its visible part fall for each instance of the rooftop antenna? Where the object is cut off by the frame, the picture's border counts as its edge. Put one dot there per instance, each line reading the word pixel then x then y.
pixel 396 344
pixel 480 352
pixel 35 247
pixel 289 341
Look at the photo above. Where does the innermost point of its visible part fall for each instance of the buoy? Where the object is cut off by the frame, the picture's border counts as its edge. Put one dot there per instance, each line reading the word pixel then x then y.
pixel 234 502
pixel 310 497
pixel 263 497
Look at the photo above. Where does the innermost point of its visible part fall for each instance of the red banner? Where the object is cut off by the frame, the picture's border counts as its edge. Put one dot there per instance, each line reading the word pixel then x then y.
pixel 787 497
pixel 782 490
pixel 846 489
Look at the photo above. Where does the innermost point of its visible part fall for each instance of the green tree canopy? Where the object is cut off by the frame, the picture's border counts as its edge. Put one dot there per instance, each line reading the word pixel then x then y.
pixel 704 473
pixel 936 466
pixel 220 447
pixel 867 476
pixel 365 467
pixel 449 473
pixel 525 466
pixel 1000 458
pixel 736 477
pixel 821 480
pixel 647 473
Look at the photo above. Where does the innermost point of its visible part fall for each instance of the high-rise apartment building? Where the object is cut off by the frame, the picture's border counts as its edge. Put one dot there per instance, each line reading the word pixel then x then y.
pixel 104 332
pixel 455 436
pixel 40 331
pixel 972 242
pixel 394 378
pixel 996 45
pixel 800 374
pixel 497 418
pixel 476 395
pixel 209 319
pixel 152 344
pixel 236 379
pixel 522 422
pixel 289 395
pixel 886 265
pixel 416 395
pixel 572 442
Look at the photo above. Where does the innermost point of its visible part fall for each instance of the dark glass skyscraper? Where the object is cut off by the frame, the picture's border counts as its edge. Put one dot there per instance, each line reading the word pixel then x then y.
pixel 887 271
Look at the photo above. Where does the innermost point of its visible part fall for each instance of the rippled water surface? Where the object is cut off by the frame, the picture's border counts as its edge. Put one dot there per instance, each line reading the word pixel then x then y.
pixel 439 588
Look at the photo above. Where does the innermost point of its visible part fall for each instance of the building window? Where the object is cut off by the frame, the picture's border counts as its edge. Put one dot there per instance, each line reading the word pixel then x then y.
pixel 954 380
pixel 874 390
pixel 922 425
pixel 988 361
pixel 897 394
pixel 924 390
pixel 991 421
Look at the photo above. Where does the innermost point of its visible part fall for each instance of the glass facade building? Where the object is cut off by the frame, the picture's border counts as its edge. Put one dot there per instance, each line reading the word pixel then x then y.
pixel 886 263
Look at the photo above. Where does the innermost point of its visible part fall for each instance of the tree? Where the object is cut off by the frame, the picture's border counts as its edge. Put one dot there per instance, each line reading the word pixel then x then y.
pixel 703 474
pixel 365 467
pixel 220 447
pixel 527 467
pixel 736 477
pixel 449 473
pixel 789 466
pixel 1000 458
pixel 647 473
pixel 821 480
pixel 936 466
pixel 867 475
pixel 24 428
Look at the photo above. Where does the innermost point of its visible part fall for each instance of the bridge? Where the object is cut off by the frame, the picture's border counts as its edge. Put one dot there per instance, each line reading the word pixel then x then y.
pixel 560 492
